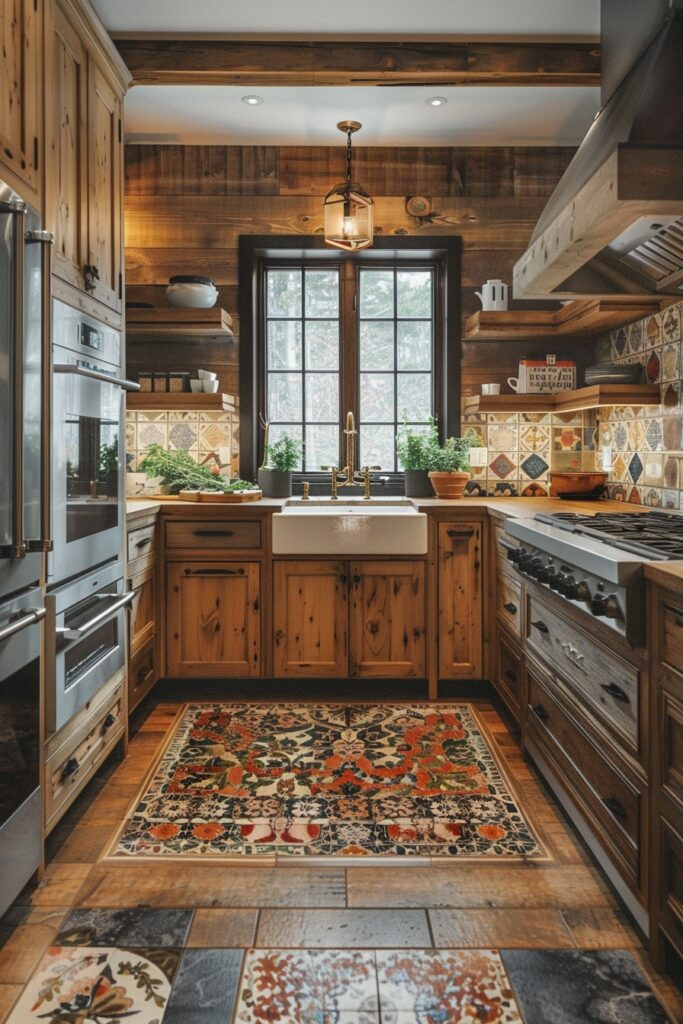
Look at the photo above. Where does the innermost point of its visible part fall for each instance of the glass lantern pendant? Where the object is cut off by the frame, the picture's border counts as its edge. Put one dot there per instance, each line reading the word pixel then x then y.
pixel 348 207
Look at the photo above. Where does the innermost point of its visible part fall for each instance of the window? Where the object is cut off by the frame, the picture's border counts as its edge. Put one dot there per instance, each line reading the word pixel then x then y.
pixel 374 333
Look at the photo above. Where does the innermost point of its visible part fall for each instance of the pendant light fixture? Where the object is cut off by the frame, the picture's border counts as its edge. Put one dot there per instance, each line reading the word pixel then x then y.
pixel 348 207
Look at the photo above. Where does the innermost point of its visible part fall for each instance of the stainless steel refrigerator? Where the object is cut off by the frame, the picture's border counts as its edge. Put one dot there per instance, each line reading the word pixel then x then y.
pixel 24 530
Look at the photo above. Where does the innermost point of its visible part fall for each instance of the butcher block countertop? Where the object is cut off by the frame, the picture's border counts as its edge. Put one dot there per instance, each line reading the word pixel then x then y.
pixel 666 574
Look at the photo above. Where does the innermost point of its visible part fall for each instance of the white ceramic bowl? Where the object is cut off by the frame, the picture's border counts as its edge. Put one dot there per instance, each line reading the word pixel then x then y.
pixel 207 375
pixel 192 294
pixel 210 386
pixel 196 385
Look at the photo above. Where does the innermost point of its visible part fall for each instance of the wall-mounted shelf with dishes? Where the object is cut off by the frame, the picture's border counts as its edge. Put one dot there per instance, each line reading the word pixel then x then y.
pixel 181 400
pixel 183 324
pixel 580 318
pixel 593 397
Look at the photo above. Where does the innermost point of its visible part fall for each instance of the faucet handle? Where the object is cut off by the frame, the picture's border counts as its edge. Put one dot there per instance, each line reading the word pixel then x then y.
pixel 304 490
pixel 334 495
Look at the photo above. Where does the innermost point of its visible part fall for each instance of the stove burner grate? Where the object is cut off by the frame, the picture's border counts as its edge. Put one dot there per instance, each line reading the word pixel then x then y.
pixel 652 534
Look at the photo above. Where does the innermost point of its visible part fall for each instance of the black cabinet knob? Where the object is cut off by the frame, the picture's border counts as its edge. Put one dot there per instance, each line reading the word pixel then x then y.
pixel 540 626
pixel 540 712
pixel 510 607
pixel 108 722
pixel 614 806
pixel 70 768
pixel 616 692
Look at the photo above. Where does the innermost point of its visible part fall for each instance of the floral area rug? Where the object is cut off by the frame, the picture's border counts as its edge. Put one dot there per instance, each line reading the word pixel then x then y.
pixel 304 780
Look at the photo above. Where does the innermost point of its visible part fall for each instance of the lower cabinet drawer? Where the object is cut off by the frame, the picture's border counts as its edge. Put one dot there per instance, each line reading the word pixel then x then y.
pixel 142 674
pixel 226 534
pixel 671 884
pixel 142 609
pixel 596 676
pixel 509 603
pixel 614 806
pixel 72 765
pixel 510 678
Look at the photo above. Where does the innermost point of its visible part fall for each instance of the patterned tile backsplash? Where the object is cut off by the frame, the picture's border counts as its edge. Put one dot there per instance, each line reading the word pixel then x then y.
pixel 210 437
pixel 644 444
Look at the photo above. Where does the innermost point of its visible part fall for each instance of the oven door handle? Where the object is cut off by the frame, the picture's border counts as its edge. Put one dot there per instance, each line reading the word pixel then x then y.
pixel 82 631
pixel 105 378
pixel 35 615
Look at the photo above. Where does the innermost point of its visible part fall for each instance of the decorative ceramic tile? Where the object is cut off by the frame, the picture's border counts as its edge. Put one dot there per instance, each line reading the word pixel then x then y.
pixel 635 468
pixel 672 433
pixel 653 367
pixel 93 985
pixel 182 435
pixel 619 467
pixel 653 330
pixel 476 488
pixel 671 397
pixel 671 355
pixel 502 466
pixel 308 986
pixel 534 467
pixel 653 435
pixel 636 436
pixel 535 417
pixel 503 437
pixel 134 927
pixel 634 496
pixel 477 431
pixel 214 435
pixel 581 987
pixel 671 323
pixel 652 496
pixel 671 499
pixel 535 490
pixel 508 489
pixel 445 985
pixel 653 469
pixel 567 439
pixel 671 475
pixel 151 433
pixel 254 780
pixel 635 336
pixel 534 438
pixel 620 435
pixel 566 461
pixel 619 342
pixel 567 419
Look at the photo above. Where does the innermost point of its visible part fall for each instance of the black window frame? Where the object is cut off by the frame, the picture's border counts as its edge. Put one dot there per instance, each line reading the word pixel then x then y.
pixel 256 252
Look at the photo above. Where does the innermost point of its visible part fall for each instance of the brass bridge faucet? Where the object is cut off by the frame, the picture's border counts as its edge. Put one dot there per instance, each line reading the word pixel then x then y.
pixel 349 476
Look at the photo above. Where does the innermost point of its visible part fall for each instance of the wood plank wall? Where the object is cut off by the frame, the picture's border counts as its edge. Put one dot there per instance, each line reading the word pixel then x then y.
pixel 186 206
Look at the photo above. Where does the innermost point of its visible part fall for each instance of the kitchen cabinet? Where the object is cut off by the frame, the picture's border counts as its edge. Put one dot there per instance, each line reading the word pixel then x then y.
pixel 21 96
pixel 84 183
pixel 311 618
pixel 213 619
pixel 666 882
pixel 361 619
pixel 143 633
pixel 460 611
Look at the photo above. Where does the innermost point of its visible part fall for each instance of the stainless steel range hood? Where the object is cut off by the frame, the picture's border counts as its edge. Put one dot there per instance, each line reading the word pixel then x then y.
pixel 614 225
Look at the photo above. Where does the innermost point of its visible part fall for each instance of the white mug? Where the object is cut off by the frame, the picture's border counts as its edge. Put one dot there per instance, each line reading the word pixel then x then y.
pixel 513 382
pixel 490 389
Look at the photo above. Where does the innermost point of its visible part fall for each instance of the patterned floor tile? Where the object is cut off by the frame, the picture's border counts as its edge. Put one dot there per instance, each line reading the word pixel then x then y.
pixel 448 986
pixel 135 927
pixel 327 781
pixel 92 985
pixel 205 987
pixel 581 987
pixel 312 986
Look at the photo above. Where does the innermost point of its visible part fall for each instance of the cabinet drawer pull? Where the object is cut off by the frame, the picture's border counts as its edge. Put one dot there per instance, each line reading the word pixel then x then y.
pixel 214 572
pixel 108 722
pixel 460 534
pixel 70 768
pixel 143 542
pixel 616 692
pixel 540 626
pixel 342 578
pixel 510 674
pixel 613 805
pixel 540 712
pixel 356 578
pixel 213 533
pixel 510 607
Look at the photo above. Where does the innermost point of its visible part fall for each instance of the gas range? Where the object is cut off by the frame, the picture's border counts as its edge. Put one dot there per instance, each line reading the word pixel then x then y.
pixel 596 562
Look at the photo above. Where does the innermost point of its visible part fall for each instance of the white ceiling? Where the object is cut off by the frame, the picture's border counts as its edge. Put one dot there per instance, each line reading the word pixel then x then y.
pixel 355 17
pixel 473 116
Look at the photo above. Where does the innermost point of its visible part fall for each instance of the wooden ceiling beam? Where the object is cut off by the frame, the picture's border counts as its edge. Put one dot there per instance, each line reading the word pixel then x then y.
pixel 178 61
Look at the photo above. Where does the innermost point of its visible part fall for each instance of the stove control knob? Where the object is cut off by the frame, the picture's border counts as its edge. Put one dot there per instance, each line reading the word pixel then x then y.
pixel 598 604
pixel 567 586
pixel 583 592
pixel 554 578
pixel 611 607
pixel 514 554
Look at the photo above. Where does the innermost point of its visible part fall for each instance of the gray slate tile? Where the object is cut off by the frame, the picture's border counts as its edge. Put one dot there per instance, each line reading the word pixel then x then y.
pixel 205 987
pixel 581 987
pixel 134 927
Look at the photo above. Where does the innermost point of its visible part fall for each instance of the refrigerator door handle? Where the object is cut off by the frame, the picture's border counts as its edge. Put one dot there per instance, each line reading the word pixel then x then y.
pixel 105 378
pixel 18 546
pixel 46 240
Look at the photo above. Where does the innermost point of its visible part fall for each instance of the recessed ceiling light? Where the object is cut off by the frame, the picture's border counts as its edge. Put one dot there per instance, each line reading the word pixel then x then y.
pixel 436 101
pixel 252 101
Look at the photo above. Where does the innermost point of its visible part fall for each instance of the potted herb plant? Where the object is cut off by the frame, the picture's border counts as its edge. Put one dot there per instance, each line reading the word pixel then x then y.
pixel 279 460
pixel 413 454
pixel 449 466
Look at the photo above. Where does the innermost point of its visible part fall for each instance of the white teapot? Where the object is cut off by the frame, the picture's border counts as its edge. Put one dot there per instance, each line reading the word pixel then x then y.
pixel 493 295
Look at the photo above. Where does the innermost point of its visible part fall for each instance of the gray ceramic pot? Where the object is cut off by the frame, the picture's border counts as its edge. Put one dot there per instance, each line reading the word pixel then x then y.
pixel 418 484
pixel 275 483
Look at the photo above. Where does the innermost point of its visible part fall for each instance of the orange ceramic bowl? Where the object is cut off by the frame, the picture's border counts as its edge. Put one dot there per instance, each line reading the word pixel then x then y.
pixel 576 482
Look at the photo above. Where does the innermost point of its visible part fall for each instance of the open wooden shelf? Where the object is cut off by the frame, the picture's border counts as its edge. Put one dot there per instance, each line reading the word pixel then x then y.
pixel 170 322
pixel 580 318
pixel 567 401
pixel 150 400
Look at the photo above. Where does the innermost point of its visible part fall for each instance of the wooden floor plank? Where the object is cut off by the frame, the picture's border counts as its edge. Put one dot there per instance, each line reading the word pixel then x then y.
pixel 340 929
pixel 500 929
pixel 223 929
pixel 595 928
pixel 8 997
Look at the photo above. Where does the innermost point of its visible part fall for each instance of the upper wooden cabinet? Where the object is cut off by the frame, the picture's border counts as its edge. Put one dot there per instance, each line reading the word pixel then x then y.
pixel 84 180
pixel 21 95
pixel 460 600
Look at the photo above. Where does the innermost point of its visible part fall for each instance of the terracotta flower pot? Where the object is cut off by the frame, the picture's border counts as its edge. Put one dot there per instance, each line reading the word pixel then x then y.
pixel 449 485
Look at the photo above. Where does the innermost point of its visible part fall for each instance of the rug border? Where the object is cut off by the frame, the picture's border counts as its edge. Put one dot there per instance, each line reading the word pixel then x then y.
pixel 320 860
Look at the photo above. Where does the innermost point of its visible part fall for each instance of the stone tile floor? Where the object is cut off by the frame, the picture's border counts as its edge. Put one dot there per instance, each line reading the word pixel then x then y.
pixel 213 944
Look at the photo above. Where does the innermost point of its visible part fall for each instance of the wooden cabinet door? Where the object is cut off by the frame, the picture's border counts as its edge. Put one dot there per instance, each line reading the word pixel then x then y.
pixel 66 186
pixel 460 603
pixel 311 618
pixel 213 619
pixel 387 619
pixel 21 90
pixel 104 187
